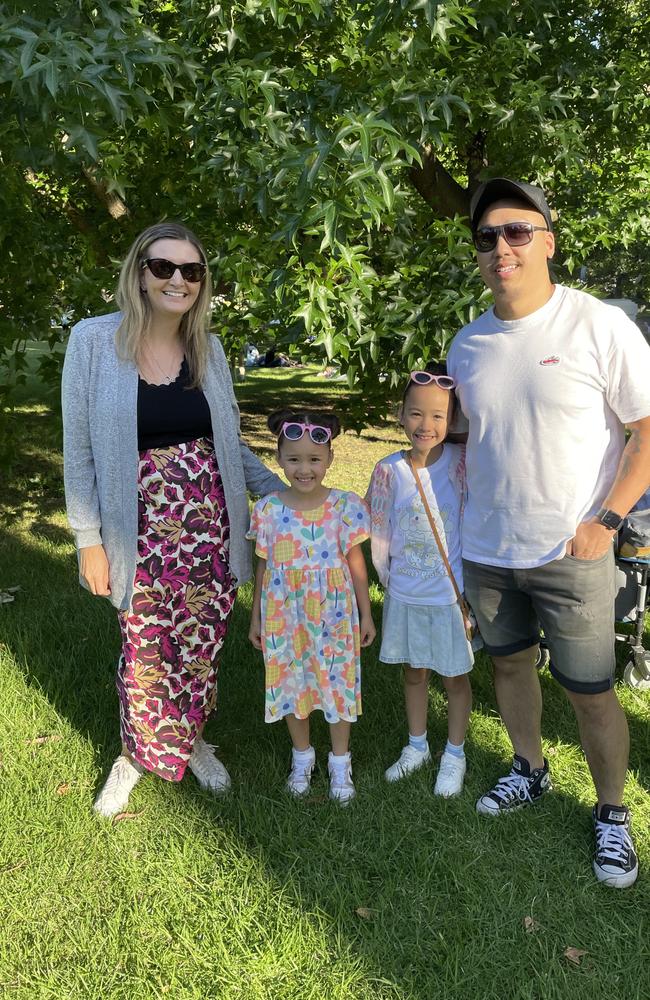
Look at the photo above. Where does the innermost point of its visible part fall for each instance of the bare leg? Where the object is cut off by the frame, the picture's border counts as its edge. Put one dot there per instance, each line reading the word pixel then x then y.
pixel 459 705
pixel 605 740
pixel 340 734
pixel 298 731
pixel 416 698
pixel 519 698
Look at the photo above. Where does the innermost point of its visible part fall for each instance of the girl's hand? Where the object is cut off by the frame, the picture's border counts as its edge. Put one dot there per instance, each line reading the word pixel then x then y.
pixel 93 569
pixel 367 630
pixel 255 631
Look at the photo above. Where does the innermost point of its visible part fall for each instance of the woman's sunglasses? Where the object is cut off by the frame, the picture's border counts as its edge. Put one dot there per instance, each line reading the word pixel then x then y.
pixel 294 431
pixel 160 267
pixel 516 234
pixel 426 378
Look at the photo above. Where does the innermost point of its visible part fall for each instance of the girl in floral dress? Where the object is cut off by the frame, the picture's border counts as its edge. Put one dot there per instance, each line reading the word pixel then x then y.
pixel 311 609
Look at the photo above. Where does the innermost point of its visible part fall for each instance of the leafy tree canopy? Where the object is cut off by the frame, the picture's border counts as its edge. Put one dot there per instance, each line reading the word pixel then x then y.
pixel 325 150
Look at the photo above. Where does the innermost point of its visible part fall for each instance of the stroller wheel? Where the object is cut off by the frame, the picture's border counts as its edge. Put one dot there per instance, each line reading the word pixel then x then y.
pixel 634 678
pixel 543 658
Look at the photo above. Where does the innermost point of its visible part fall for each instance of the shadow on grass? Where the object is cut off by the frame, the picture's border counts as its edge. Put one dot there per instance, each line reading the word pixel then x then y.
pixel 420 889
pixel 400 876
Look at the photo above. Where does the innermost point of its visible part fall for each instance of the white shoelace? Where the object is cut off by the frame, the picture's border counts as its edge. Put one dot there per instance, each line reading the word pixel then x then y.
pixel 449 766
pixel 613 842
pixel 513 786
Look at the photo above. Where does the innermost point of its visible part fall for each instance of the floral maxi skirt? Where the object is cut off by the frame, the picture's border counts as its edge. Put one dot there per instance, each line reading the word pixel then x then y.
pixel 182 597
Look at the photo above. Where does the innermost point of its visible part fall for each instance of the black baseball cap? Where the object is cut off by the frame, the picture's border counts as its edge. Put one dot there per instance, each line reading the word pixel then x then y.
pixel 502 187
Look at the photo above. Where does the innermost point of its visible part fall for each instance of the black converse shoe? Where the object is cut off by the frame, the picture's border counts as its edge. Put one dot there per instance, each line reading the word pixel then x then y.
pixel 519 788
pixel 615 861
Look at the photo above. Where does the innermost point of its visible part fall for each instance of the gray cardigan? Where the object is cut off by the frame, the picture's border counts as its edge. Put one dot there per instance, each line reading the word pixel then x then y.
pixel 100 451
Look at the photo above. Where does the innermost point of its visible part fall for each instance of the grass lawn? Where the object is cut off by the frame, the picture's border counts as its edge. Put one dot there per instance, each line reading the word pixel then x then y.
pixel 256 896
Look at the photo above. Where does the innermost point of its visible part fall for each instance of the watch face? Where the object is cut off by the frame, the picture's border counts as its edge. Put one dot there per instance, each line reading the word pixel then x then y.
pixel 610 519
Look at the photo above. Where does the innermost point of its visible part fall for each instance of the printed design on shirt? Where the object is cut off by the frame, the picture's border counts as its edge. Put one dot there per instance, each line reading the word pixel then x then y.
pixel 551 359
pixel 420 551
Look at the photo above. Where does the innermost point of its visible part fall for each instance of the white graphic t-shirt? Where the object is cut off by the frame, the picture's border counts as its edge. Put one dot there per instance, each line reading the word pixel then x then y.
pixel 416 573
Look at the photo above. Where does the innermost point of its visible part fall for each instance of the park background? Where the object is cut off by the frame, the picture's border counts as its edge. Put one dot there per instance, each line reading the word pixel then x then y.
pixel 326 153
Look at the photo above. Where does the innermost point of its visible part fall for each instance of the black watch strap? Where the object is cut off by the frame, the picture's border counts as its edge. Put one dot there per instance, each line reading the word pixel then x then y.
pixel 610 519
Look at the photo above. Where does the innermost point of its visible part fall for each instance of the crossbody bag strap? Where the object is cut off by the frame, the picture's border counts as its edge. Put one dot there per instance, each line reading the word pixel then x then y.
pixel 443 555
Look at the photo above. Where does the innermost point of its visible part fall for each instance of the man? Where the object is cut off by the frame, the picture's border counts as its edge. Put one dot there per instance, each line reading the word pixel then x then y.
pixel 548 378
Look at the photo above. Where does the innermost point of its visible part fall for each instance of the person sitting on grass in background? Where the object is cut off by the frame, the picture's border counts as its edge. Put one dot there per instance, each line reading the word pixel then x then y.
pixel 311 608
pixel 423 625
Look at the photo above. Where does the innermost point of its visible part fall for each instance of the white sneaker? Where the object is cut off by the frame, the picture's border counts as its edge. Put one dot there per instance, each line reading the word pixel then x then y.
pixel 341 785
pixel 114 796
pixel 450 775
pixel 410 760
pixel 208 769
pixel 302 765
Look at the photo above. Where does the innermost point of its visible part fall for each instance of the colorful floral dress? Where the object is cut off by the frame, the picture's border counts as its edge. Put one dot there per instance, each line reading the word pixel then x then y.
pixel 310 621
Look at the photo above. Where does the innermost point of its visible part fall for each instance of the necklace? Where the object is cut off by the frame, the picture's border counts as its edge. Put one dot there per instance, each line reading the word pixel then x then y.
pixel 167 378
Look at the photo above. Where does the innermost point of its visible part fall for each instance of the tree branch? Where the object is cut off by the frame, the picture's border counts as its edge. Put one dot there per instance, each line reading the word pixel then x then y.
pixel 438 188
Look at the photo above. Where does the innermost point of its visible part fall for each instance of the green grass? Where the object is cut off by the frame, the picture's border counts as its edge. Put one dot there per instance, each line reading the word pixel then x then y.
pixel 254 895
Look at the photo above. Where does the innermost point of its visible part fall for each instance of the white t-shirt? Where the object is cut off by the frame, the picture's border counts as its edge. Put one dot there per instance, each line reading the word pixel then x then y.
pixel 417 574
pixel 547 397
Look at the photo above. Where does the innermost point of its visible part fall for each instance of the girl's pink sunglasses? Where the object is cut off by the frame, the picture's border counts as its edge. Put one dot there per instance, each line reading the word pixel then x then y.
pixel 293 431
pixel 426 378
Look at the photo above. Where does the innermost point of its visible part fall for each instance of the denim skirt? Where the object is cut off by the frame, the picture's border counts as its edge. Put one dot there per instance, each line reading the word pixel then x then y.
pixel 427 636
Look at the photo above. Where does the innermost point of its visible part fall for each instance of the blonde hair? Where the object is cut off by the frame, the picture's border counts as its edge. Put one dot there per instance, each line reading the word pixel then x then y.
pixel 194 325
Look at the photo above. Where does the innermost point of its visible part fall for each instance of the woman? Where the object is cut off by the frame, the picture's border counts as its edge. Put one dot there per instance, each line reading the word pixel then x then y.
pixel 155 479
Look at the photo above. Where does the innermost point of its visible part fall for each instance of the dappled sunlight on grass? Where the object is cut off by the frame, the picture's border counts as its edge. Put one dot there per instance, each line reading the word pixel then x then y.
pixel 256 896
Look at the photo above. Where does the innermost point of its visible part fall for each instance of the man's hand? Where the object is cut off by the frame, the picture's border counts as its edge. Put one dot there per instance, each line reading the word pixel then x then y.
pixel 591 540
pixel 93 569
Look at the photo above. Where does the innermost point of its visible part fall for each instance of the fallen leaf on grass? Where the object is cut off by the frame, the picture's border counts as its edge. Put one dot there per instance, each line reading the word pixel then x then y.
pixel 575 954
pixel 121 816
pixel 63 789
pixel 531 925
pixel 316 800
pixel 364 913
pixel 41 740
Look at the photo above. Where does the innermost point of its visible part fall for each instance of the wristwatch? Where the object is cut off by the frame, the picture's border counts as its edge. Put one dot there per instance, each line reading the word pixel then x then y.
pixel 610 519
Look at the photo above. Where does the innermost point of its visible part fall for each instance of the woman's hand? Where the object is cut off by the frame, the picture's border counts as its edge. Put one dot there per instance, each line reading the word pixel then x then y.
pixel 367 630
pixel 255 631
pixel 93 569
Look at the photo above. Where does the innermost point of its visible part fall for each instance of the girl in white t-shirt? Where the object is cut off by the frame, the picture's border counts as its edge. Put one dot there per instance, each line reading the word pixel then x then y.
pixel 422 622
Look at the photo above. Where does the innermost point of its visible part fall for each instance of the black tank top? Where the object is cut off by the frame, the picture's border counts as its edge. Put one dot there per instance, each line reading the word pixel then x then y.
pixel 171 414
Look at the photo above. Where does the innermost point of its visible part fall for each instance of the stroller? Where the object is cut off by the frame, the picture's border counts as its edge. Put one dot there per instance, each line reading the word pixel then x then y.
pixel 632 565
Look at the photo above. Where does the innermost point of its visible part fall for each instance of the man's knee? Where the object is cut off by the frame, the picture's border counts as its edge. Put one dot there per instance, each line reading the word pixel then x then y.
pixel 515 663
pixel 595 708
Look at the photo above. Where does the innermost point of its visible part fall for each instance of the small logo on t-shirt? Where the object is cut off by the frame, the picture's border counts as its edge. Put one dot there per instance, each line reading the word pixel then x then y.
pixel 552 359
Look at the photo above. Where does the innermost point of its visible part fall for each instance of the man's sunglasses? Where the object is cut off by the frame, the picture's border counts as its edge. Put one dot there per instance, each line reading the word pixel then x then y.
pixel 160 267
pixel 516 234
pixel 294 432
pixel 426 378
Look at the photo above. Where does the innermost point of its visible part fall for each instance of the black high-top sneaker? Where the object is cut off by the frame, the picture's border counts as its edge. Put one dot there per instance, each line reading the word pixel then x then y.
pixel 615 861
pixel 522 787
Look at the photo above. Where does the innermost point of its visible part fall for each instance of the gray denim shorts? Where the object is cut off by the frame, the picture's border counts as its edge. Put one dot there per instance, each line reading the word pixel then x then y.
pixel 573 602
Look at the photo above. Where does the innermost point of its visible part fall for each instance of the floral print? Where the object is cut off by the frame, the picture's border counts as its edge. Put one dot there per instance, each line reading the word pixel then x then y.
pixel 182 596
pixel 310 622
